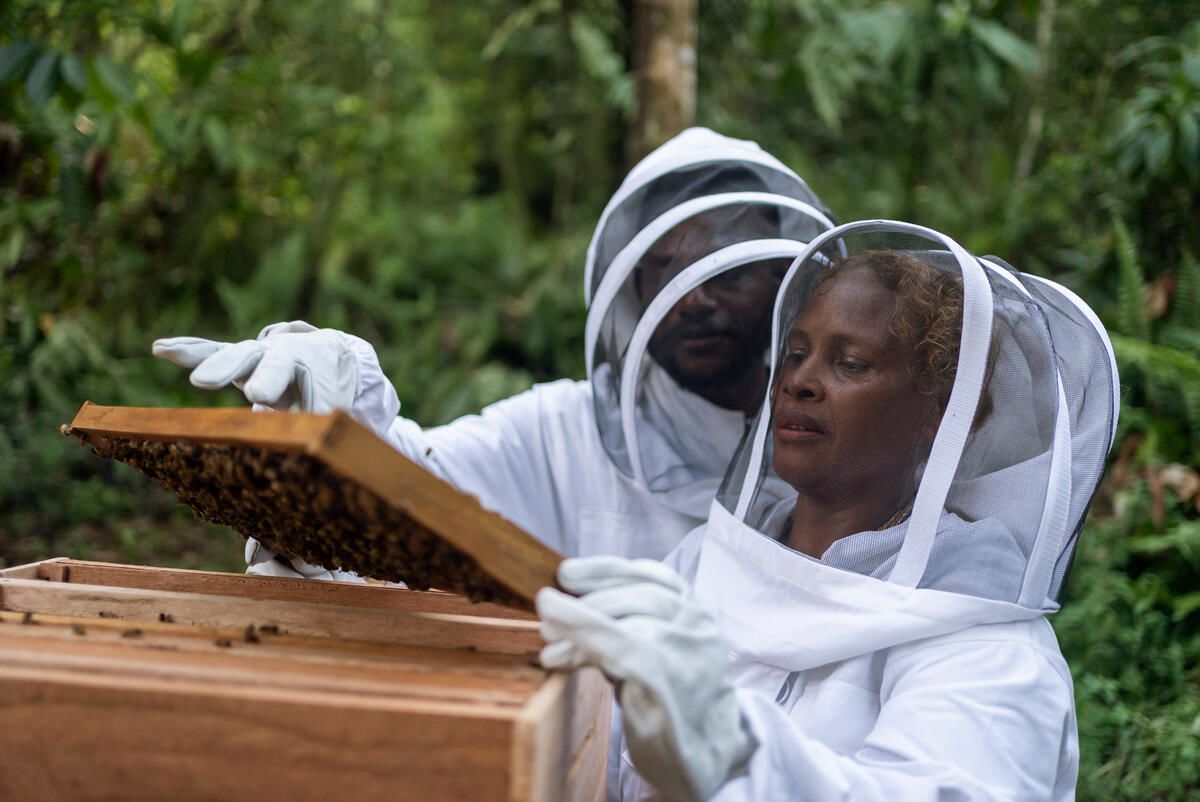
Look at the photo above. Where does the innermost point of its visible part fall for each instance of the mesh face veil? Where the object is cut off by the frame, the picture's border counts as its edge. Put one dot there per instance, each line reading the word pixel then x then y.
pixel 680 279
pixel 945 417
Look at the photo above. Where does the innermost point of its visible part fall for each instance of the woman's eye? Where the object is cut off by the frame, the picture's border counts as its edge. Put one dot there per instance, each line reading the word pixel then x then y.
pixel 854 366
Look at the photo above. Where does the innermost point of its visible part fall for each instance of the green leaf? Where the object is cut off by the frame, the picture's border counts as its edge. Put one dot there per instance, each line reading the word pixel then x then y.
pixel 43 79
pixel 821 86
pixel 179 17
pixel 220 146
pixel 1189 142
pixel 1158 149
pixel 10 253
pixel 74 71
pixel 1185 605
pixel 14 60
pixel 1186 303
pixel 1006 45
pixel 1131 285
pixel 602 62
pixel 115 78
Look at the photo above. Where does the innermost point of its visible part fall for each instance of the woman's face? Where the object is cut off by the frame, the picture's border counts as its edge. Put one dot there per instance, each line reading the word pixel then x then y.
pixel 847 416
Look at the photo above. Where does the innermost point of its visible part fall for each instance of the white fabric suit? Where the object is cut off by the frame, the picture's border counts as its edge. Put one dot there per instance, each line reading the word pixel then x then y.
pixel 880 720
pixel 863 679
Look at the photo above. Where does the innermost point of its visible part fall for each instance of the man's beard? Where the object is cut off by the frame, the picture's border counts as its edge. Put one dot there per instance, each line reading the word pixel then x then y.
pixel 713 383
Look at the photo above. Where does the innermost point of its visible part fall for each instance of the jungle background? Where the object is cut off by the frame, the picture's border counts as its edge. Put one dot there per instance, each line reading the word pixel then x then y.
pixel 427 175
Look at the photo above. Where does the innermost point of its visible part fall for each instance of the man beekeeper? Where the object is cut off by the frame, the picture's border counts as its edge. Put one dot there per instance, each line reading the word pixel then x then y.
pixel 680 278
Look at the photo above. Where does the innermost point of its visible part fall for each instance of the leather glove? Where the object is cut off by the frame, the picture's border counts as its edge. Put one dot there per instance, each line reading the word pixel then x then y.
pixel 289 366
pixel 637 621
pixel 261 561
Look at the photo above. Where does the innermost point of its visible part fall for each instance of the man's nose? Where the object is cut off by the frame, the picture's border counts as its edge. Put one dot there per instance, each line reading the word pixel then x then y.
pixel 700 302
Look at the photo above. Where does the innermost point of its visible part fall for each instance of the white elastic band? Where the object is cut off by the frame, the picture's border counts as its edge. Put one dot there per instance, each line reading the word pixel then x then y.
pixel 1052 530
pixel 1079 303
pixel 626 261
pixel 640 176
pixel 691 277
pixel 955 427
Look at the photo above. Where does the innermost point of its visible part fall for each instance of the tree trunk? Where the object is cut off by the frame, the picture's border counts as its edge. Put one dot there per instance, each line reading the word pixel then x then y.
pixel 664 60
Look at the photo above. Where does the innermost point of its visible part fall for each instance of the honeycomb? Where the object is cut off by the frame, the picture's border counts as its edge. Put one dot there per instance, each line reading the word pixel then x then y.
pixel 296 506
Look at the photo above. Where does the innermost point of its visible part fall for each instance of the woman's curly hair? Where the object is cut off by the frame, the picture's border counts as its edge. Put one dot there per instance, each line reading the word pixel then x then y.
pixel 928 317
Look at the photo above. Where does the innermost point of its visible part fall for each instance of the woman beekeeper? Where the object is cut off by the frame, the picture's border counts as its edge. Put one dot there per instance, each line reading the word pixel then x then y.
pixel 863 615
pixel 627 462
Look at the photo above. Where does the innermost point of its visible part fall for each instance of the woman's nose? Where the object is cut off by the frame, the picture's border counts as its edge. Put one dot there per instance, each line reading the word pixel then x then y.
pixel 803 381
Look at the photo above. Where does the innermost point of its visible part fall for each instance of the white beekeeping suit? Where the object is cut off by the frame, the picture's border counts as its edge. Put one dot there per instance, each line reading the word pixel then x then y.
pixel 716 218
pixel 910 659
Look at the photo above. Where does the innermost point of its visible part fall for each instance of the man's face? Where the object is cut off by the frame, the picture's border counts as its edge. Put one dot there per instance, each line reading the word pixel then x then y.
pixel 715 334
pixel 718 332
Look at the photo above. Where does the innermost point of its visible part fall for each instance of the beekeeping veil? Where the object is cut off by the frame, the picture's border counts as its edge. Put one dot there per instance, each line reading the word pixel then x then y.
pixel 701 225
pixel 990 488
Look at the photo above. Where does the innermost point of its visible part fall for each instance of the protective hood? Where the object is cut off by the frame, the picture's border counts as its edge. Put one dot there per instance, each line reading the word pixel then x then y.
pixel 680 277
pixel 978 470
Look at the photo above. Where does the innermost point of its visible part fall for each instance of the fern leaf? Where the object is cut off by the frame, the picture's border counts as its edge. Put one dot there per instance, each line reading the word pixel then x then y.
pixel 1186 306
pixel 1131 285
pixel 1181 337
pixel 1169 377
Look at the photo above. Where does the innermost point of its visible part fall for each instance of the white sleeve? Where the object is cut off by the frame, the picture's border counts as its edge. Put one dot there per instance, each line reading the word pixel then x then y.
pixel 516 456
pixel 966 720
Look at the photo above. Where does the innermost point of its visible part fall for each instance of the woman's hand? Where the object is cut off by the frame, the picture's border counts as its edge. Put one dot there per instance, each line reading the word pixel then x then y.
pixel 636 620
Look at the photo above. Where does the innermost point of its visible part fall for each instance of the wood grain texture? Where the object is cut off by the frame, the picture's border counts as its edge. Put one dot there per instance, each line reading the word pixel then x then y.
pixel 437 630
pixel 30 570
pixel 479 542
pixel 70 736
pixel 499 546
pixel 315 591
pixel 228 426
pixel 560 747
pixel 168 697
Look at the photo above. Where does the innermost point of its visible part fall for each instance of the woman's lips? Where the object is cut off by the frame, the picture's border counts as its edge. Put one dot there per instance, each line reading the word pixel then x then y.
pixel 796 427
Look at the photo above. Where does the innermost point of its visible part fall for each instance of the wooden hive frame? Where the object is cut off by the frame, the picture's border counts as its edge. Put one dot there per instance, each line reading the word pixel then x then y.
pixel 124 682
pixel 342 496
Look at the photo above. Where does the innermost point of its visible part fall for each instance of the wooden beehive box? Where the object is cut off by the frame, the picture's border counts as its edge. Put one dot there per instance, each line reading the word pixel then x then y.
pixel 325 489
pixel 133 683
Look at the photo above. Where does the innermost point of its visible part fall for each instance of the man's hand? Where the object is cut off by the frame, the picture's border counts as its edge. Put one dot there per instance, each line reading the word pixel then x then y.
pixel 290 366
pixel 637 621
pixel 261 561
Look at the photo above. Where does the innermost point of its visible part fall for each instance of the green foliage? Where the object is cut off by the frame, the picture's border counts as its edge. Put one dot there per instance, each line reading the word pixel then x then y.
pixel 427 177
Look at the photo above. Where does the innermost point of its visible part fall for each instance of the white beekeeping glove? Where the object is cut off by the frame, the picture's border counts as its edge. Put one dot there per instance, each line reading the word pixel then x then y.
pixel 289 366
pixel 637 621
pixel 261 561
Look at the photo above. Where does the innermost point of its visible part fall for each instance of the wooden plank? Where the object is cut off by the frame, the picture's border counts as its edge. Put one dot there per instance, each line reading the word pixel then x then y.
pixel 250 668
pixel 66 736
pixel 560 745
pixel 301 649
pixel 503 549
pixel 438 630
pixel 277 588
pixel 589 735
pixel 227 426
pixel 29 570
